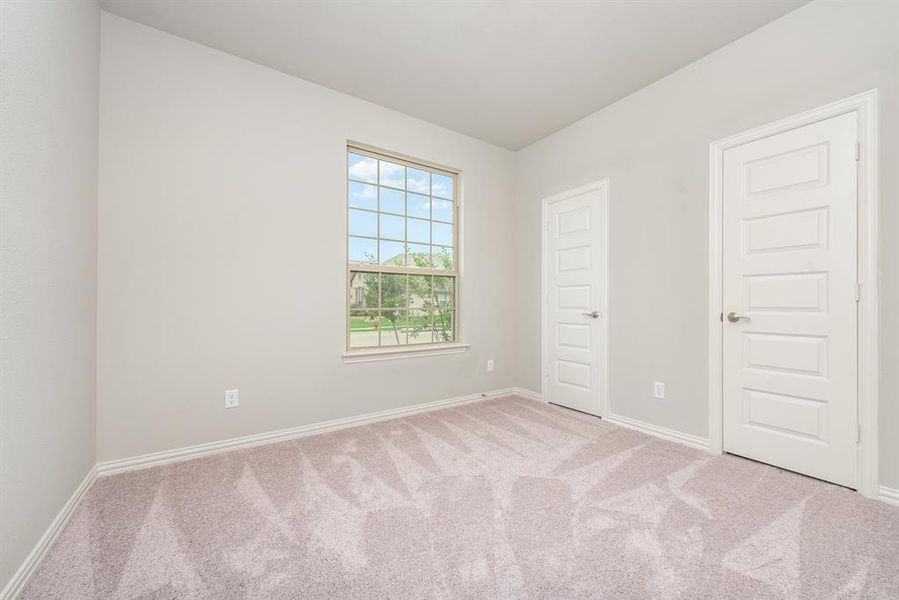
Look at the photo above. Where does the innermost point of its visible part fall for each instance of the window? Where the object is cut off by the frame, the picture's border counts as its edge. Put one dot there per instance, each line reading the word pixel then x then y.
pixel 402 252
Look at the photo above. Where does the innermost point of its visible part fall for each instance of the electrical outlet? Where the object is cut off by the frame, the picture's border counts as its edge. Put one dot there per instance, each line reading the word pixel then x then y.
pixel 489 365
pixel 659 390
pixel 232 398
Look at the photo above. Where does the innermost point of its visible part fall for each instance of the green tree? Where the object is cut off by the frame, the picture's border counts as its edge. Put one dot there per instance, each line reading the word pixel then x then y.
pixel 388 292
pixel 432 296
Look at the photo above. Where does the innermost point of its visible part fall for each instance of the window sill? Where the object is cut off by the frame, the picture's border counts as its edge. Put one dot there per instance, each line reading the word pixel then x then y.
pixel 359 356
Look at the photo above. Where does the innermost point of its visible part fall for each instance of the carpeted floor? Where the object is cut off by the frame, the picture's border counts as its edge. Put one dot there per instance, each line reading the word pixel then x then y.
pixel 504 498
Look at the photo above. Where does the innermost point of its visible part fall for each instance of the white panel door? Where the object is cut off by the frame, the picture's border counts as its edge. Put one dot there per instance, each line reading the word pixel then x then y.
pixel 790 311
pixel 574 298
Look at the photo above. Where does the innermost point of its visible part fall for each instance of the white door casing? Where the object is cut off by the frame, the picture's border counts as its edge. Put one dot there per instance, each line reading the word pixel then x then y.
pixel 790 360
pixel 575 298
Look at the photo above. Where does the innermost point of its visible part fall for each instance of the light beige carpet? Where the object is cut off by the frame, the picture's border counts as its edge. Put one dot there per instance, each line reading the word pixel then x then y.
pixel 504 498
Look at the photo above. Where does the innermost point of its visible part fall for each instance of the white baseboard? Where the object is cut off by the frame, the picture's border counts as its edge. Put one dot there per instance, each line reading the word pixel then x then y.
pixel 889 495
pixel 661 432
pixel 112 467
pixel 529 394
pixel 37 554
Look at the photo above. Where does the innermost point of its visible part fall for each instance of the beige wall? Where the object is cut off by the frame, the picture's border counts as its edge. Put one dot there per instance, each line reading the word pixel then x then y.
pixel 48 228
pixel 222 250
pixel 653 146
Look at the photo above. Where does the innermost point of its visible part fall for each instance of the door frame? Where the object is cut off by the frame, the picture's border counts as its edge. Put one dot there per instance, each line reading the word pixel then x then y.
pixel 865 106
pixel 601 185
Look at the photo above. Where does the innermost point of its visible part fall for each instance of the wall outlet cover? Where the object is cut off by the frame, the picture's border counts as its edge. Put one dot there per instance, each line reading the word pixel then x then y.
pixel 659 390
pixel 232 398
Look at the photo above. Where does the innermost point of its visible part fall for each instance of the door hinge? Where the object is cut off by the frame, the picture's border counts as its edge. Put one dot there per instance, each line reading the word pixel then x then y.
pixel 858 434
pixel 858 151
pixel 858 292
pixel 545 372
pixel 546 226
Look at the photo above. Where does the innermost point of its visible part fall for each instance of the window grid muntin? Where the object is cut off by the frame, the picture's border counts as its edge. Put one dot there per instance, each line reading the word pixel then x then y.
pixel 435 250
pixel 431 221
pixel 403 325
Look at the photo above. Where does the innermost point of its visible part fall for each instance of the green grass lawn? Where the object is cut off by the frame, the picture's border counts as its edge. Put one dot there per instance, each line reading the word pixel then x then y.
pixel 363 324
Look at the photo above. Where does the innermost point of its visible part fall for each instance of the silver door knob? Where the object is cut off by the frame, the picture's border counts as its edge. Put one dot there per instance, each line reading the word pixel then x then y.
pixel 592 315
pixel 735 317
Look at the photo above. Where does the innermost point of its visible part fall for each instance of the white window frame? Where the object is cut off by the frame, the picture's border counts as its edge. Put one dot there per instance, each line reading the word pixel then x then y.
pixel 368 354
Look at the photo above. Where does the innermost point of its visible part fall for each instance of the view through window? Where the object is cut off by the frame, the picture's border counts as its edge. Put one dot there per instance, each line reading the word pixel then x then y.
pixel 402 252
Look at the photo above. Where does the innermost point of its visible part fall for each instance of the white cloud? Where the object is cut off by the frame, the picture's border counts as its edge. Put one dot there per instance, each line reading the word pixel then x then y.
pixel 363 168
pixel 368 192
pixel 418 181
pixel 392 174
pixel 418 206
pixel 441 186
pixel 442 190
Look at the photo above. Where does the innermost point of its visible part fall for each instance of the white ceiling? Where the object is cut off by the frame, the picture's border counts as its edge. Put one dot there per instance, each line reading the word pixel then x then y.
pixel 507 72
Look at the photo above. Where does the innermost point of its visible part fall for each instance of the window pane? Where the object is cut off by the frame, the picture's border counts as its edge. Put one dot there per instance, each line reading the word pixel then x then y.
pixel 421 327
pixel 363 328
pixel 393 290
pixel 442 233
pixel 444 326
pixel 418 180
pixel 392 227
pixel 418 230
pixel 393 253
pixel 420 292
pixel 418 255
pixel 393 201
pixel 362 195
pixel 363 168
pixel 363 250
pixel 393 175
pixel 419 206
pixel 442 210
pixel 363 290
pixel 442 258
pixel 393 327
pixel 444 292
pixel 363 223
pixel 441 186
